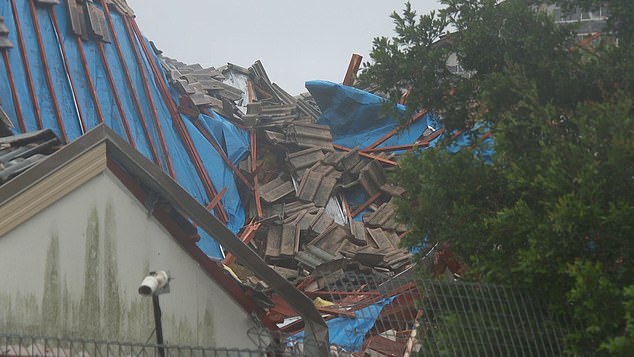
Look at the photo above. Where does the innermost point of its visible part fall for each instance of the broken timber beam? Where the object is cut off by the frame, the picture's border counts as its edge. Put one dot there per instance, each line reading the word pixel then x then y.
pixel 369 156
pixel 353 68
pixel 385 137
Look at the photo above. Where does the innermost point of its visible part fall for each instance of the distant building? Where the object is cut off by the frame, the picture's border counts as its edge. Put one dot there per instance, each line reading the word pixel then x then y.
pixel 589 22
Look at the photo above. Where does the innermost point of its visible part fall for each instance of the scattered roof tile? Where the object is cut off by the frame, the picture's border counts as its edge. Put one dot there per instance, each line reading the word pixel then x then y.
pixel 275 190
pixel 372 177
pixel 310 135
pixel 20 152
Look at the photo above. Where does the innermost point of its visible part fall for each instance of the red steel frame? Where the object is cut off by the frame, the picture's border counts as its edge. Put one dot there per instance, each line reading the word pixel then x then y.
pixel 353 68
pixel 254 166
pixel 246 236
pixel 213 203
pixel 27 66
pixel 14 93
pixel 385 137
pixel 419 144
pixel 366 204
pixel 369 156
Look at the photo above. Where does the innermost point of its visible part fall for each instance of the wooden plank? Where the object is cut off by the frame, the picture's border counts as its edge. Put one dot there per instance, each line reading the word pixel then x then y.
pixel 372 177
pixel 369 156
pixel 246 236
pixel 366 204
pixel 216 200
pixel 353 68
pixel 321 222
pixel 78 19
pixel 305 158
pixel 337 312
pixel 97 22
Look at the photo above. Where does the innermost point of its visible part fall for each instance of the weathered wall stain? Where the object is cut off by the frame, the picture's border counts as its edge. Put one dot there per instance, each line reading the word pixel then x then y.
pixel 90 304
pixel 21 313
pixel 112 300
pixel 97 307
pixel 206 326
pixel 52 298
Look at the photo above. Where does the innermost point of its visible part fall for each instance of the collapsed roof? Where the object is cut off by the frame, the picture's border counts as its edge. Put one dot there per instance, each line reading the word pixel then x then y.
pixel 304 181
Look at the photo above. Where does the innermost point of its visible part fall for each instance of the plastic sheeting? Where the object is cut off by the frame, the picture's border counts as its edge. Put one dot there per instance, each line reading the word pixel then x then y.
pixel 359 118
pixel 349 333
pixel 481 144
pixel 234 140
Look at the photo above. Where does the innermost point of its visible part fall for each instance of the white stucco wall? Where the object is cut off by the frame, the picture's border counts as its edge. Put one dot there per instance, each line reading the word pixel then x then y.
pixel 74 269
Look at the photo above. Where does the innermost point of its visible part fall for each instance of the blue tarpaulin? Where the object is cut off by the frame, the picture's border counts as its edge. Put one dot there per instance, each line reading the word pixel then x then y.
pixel 349 333
pixel 234 140
pixel 359 118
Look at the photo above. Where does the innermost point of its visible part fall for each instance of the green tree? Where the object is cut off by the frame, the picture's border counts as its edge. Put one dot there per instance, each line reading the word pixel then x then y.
pixel 554 210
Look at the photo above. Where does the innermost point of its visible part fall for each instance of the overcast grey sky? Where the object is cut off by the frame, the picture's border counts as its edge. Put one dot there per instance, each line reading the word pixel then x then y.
pixel 296 40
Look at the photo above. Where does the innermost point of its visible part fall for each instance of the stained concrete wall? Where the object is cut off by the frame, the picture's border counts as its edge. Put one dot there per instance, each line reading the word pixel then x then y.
pixel 74 269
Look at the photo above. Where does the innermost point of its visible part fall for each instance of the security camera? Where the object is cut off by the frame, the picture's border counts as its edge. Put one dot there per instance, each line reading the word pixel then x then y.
pixel 154 283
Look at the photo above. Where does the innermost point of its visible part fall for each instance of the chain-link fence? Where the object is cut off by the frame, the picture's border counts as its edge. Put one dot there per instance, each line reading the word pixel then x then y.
pixel 376 314
pixel 371 313
pixel 31 346
pixel 468 319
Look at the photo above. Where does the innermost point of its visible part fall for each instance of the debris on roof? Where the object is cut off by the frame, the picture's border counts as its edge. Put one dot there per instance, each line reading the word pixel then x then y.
pixel 303 180
pixel 19 152
pixel 5 124
pixel 4 35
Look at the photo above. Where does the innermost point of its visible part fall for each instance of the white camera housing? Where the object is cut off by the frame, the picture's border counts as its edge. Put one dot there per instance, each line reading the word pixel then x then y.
pixel 154 283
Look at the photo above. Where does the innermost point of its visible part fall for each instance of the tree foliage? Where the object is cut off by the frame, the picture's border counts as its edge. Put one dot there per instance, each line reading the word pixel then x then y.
pixel 554 210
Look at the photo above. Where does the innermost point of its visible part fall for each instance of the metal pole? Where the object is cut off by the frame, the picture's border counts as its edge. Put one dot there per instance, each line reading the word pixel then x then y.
pixel 158 325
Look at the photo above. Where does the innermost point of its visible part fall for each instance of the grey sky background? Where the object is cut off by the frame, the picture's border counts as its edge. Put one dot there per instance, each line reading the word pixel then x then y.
pixel 296 40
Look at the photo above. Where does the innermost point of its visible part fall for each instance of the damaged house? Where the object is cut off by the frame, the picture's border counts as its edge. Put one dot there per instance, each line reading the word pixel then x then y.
pixel 273 215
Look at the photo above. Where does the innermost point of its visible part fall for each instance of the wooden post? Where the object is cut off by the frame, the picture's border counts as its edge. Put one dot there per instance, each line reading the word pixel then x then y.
pixel 353 68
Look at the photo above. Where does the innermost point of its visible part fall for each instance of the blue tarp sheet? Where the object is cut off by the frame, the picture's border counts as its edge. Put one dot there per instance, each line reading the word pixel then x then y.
pixel 359 118
pixel 235 140
pixel 349 333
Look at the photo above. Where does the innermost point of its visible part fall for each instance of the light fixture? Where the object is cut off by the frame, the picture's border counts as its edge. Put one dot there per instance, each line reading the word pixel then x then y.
pixel 155 284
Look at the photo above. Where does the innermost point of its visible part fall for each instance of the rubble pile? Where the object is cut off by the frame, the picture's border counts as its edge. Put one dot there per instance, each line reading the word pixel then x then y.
pixel 320 214
pixel 300 182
